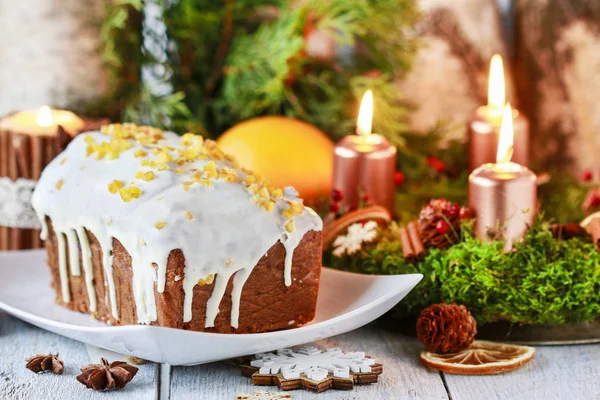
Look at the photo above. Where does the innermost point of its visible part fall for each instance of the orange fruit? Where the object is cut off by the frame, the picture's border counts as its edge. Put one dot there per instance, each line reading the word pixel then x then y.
pixel 286 151
pixel 481 358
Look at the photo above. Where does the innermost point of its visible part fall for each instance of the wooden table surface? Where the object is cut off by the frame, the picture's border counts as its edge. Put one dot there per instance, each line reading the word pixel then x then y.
pixel 556 372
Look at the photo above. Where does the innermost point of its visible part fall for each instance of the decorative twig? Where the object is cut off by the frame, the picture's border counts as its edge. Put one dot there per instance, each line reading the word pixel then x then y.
pixel 226 36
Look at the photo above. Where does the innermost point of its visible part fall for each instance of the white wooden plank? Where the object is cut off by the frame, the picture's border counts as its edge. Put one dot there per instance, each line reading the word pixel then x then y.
pixel 19 340
pixel 556 372
pixel 403 376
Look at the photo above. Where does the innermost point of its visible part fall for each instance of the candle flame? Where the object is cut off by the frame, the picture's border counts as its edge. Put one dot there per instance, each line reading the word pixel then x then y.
pixel 365 115
pixel 44 117
pixel 505 143
pixel 496 91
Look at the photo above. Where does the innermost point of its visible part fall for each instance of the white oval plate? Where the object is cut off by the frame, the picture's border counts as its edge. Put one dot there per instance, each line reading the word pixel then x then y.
pixel 346 301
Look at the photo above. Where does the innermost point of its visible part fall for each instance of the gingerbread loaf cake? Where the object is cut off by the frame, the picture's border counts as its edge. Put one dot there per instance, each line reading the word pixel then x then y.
pixel 147 227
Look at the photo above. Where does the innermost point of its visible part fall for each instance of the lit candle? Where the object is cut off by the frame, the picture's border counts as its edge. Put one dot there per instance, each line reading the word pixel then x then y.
pixel 484 126
pixel 29 140
pixel 503 195
pixel 44 121
pixel 365 163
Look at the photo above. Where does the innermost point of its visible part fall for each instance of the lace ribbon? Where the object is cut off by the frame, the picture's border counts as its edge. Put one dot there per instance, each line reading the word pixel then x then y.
pixel 15 204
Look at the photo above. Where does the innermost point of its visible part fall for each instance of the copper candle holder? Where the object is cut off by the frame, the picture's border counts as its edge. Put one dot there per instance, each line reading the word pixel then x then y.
pixel 484 132
pixel 365 163
pixel 29 140
pixel 503 195
pixel 504 200
pixel 484 126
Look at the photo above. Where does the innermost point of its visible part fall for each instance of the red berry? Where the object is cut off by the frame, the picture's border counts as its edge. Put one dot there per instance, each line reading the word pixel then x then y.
pixel 453 209
pixel 587 175
pixel 464 213
pixel 398 178
pixel 440 166
pixel 595 202
pixel 374 73
pixel 336 195
pixel 334 207
pixel 442 227
pixel 440 204
pixel 366 197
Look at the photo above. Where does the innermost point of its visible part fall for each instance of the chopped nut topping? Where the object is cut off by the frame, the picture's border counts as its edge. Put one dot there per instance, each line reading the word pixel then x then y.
pixel 269 205
pixel 249 179
pixel 289 226
pixel 115 185
pixel 63 161
pixel 129 193
pixel 188 214
pixel 192 148
pixel 206 281
pixel 146 176
pixel 160 224
pixel 60 184
pixel 295 208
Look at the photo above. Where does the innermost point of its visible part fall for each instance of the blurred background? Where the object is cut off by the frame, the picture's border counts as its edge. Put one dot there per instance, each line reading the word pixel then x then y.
pixel 205 66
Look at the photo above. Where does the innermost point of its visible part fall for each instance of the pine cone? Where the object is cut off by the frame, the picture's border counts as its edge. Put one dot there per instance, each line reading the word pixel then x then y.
pixel 46 363
pixel 107 377
pixel 439 223
pixel 446 328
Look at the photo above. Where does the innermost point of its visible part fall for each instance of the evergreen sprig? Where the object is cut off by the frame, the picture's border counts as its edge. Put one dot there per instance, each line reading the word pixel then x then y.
pixel 234 60
pixel 543 281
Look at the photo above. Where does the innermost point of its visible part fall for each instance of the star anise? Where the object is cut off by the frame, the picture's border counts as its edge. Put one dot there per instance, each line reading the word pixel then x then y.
pixel 106 376
pixel 45 363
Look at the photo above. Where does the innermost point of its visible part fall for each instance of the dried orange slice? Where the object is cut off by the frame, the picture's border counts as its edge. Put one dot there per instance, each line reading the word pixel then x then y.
pixel 372 213
pixel 481 358
pixel 588 220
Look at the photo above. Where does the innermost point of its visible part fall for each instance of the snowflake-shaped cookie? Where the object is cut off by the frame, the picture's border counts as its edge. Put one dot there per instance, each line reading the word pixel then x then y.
pixel 264 395
pixel 313 369
pixel 352 241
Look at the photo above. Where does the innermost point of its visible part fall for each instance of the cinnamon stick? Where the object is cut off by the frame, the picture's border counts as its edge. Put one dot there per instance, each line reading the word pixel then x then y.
pixel 595 230
pixel 415 239
pixel 13 173
pixel 37 165
pixel 23 160
pixel 37 156
pixel 4 234
pixel 407 249
pixel 49 152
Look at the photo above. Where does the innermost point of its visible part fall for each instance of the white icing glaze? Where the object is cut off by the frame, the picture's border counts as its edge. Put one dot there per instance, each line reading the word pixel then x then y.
pixel 228 233
pixel 62 268
pixel 73 252
pixel 86 258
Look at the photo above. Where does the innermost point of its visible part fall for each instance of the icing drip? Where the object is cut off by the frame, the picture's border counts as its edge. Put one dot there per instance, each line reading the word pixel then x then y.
pixel 62 267
pixel 239 280
pixel 153 199
pixel 86 258
pixel 73 252
pixel 212 306
pixel 109 279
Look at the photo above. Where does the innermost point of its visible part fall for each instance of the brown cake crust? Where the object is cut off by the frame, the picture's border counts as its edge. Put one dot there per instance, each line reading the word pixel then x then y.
pixel 266 303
